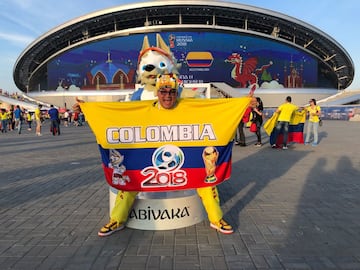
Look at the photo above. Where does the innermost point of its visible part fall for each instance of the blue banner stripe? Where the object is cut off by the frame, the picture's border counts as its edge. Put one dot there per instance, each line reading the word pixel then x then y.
pixel 137 159
pixel 299 128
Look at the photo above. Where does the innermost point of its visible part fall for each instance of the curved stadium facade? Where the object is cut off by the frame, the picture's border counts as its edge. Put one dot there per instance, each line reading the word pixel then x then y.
pixel 229 46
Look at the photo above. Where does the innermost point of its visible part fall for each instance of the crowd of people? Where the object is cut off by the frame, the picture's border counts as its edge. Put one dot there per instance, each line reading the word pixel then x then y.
pixel 17 119
pixel 254 115
pixel 12 119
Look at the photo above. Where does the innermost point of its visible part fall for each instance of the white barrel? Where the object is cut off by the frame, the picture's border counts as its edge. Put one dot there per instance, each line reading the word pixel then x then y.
pixel 163 210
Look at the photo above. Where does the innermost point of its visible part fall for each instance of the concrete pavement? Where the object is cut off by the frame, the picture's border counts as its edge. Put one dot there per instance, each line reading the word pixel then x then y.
pixel 291 209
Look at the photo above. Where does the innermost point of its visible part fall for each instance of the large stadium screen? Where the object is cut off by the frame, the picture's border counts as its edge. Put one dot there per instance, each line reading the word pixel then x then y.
pixel 236 59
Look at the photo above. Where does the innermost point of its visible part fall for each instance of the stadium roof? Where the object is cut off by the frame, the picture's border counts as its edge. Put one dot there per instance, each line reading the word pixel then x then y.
pixel 155 16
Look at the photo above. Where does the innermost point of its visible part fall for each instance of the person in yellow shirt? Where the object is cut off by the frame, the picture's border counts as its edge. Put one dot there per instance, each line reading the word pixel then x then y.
pixel 314 112
pixel 38 120
pixel 285 112
pixel 4 120
pixel 29 120
pixel 10 122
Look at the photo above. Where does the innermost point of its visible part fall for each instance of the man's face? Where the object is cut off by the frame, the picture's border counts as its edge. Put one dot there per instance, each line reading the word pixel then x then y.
pixel 167 97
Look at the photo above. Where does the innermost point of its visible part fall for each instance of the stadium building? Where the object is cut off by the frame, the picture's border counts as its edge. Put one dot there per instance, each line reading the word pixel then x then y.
pixel 223 46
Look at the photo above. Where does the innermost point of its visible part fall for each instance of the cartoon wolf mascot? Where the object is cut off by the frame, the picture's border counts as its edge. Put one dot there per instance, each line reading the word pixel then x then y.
pixel 154 61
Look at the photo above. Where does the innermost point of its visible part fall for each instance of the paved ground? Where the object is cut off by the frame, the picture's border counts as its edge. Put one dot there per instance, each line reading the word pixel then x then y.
pixel 293 209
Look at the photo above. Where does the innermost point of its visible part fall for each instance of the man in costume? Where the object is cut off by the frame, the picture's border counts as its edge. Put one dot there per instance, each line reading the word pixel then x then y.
pixel 152 62
pixel 167 99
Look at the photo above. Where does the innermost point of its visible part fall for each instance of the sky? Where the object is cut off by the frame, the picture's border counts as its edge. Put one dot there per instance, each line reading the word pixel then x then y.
pixel 23 21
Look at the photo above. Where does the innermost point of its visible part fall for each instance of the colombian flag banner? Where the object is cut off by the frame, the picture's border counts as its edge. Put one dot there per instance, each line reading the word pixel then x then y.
pixel 296 128
pixel 147 148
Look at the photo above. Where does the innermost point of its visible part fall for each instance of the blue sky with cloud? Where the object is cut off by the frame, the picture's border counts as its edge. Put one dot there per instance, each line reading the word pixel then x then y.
pixel 23 21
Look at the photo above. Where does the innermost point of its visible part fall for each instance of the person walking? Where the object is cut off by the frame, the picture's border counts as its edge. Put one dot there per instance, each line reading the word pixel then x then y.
pixel 4 120
pixel 29 120
pixel 257 118
pixel 38 120
pixel 66 118
pixel 18 116
pixel 314 112
pixel 285 112
pixel 240 135
pixel 10 119
pixel 54 118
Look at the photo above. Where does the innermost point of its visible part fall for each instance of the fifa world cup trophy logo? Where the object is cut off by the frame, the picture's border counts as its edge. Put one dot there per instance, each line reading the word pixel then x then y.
pixel 210 156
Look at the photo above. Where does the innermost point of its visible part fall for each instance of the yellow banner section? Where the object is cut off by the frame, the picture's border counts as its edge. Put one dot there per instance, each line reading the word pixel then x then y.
pixel 144 124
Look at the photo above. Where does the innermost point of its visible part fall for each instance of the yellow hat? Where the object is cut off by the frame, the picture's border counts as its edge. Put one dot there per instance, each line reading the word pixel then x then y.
pixel 167 81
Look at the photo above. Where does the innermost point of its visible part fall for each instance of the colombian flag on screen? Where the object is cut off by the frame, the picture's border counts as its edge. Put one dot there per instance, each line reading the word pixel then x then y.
pixel 147 148
pixel 199 59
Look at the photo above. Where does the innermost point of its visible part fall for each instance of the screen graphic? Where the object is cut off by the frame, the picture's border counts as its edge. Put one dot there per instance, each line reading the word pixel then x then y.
pixel 236 59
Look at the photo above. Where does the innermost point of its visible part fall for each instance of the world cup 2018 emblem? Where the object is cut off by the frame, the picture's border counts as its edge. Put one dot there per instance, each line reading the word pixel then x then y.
pixel 166 169
pixel 210 156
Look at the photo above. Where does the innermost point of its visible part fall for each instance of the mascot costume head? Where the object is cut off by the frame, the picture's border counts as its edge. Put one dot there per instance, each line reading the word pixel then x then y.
pixel 154 61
